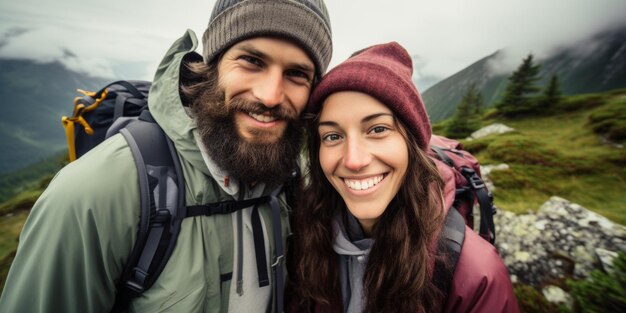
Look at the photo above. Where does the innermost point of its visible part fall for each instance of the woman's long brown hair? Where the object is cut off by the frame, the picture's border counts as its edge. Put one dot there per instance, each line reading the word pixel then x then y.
pixel 398 277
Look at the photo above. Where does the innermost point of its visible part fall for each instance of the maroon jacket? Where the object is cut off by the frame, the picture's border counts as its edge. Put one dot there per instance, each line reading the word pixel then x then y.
pixel 481 281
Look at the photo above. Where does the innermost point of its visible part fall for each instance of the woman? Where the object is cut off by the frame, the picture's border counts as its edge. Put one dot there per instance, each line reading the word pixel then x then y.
pixel 366 234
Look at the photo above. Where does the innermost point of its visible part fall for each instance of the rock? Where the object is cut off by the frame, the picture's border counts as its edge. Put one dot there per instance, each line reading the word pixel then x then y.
pixel 562 239
pixel 487 169
pixel 496 128
pixel 606 258
pixel 557 295
pixel 541 225
pixel 522 256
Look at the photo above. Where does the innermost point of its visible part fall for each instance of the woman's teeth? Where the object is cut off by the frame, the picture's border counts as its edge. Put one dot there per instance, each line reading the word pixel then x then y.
pixel 363 184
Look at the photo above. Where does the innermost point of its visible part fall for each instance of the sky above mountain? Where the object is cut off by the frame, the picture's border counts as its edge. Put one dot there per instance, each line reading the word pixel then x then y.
pixel 122 38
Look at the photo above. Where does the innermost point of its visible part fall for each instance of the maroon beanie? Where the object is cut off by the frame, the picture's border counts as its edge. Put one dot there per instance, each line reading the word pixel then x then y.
pixel 383 72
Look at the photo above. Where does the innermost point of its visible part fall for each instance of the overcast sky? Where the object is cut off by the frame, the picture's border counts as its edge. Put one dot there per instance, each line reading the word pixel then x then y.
pixel 118 38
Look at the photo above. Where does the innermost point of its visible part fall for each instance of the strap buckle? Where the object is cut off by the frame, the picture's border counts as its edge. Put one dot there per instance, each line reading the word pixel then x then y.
pixel 472 178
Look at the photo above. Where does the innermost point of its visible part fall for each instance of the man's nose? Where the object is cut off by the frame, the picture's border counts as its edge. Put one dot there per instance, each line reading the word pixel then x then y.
pixel 270 90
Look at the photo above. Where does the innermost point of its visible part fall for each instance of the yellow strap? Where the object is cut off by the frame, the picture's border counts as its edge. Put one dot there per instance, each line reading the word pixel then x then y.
pixel 87 93
pixel 77 117
pixel 97 102
pixel 68 124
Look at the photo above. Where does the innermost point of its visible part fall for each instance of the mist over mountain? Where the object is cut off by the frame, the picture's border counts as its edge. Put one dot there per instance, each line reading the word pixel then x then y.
pixel 594 65
pixel 421 77
pixel 33 97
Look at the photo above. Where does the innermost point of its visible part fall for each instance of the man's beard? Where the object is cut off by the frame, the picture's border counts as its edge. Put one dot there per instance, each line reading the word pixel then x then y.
pixel 251 161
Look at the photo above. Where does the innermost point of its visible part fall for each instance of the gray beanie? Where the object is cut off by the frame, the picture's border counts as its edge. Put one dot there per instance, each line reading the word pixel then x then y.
pixel 305 22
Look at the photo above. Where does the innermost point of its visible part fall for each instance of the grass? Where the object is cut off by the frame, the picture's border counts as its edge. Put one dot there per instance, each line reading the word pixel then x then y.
pixel 13 214
pixel 10 227
pixel 23 201
pixel 564 153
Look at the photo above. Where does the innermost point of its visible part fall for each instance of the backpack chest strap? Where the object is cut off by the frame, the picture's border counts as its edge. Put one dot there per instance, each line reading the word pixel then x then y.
pixel 225 207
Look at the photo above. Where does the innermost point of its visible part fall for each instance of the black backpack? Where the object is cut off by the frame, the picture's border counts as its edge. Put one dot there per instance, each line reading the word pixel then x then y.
pixel 122 107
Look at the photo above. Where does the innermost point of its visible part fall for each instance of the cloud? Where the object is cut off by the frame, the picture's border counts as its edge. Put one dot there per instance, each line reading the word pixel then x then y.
pixel 95 39
pixel 447 35
pixel 39 45
pixel 452 34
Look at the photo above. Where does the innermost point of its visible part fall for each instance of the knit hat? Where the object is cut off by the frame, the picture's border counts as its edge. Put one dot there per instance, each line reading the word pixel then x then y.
pixel 383 72
pixel 305 22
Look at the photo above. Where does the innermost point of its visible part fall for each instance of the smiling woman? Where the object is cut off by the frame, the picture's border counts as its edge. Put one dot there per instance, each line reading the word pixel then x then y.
pixel 362 153
pixel 366 232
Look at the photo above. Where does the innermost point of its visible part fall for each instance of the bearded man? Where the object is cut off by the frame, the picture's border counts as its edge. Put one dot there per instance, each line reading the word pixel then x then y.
pixel 232 115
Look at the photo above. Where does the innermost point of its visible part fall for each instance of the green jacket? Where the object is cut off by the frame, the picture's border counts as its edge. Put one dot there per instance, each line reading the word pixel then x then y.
pixel 80 232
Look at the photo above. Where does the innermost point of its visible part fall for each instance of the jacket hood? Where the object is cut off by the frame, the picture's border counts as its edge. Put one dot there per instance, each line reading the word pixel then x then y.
pixel 351 241
pixel 165 103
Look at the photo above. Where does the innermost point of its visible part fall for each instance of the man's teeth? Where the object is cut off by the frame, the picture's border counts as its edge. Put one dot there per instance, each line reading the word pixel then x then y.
pixel 363 184
pixel 262 118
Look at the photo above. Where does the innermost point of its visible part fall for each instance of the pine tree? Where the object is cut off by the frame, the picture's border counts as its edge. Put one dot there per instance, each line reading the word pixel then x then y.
pixel 475 98
pixel 465 119
pixel 551 94
pixel 517 98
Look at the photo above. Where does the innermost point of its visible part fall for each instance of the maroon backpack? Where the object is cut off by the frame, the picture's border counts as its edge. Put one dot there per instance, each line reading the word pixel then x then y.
pixel 463 170
pixel 463 188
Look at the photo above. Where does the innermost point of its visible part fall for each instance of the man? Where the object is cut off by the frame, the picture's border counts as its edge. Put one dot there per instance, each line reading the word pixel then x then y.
pixel 232 115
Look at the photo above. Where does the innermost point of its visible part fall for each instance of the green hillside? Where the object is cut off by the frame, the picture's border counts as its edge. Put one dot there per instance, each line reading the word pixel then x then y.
pixel 574 150
pixel 25 178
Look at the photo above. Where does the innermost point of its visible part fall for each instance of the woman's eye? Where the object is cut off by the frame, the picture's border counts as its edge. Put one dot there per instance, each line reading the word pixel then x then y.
pixel 379 129
pixel 331 137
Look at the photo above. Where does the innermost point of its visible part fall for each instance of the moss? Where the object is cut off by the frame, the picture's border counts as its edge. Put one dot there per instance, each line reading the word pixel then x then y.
pixel 475 146
pixel 580 102
pixel 602 292
pixel 5 265
pixel 618 159
pixel 522 150
pixel 23 201
pixel 610 119
pixel 617 92
pixel 530 300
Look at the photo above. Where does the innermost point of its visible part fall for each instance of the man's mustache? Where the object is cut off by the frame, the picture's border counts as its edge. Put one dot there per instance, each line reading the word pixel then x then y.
pixel 280 111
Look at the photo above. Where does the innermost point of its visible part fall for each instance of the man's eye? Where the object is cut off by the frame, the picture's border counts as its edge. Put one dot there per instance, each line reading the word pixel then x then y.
pixel 298 75
pixel 252 60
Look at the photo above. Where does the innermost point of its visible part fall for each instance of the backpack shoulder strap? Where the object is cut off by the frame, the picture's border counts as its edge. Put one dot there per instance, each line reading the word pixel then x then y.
pixel 449 246
pixel 487 228
pixel 162 202
pixel 485 197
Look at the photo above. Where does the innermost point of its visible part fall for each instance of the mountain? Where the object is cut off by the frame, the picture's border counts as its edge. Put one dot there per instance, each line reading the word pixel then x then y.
pixel 33 97
pixel 595 65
